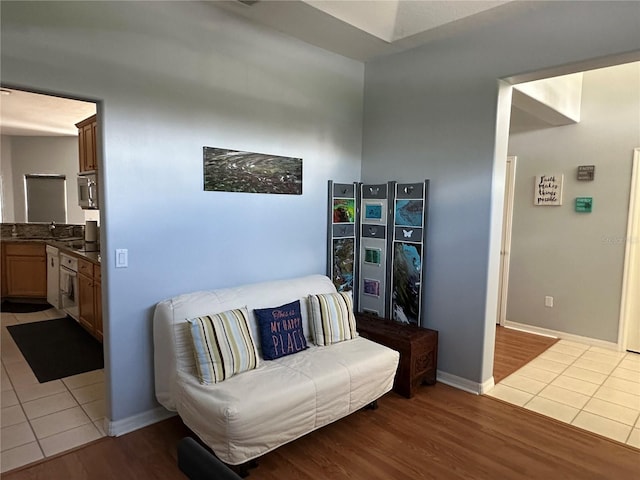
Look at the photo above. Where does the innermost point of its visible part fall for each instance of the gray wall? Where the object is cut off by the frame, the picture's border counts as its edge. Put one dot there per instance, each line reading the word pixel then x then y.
pixel 175 77
pixel 52 155
pixel 6 172
pixel 431 113
pixel 576 257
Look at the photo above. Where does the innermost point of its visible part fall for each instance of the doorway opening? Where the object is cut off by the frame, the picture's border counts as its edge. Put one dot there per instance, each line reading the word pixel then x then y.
pixel 40 162
pixel 561 254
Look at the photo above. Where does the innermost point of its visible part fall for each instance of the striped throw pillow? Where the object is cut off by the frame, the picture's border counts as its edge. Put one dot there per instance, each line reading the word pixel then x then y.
pixel 223 345
pixel 332 318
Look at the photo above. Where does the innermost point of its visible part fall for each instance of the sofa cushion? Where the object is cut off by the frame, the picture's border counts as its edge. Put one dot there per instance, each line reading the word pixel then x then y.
pixel 223 345
pixel 280 330
pixel 332 318
pixel 253 413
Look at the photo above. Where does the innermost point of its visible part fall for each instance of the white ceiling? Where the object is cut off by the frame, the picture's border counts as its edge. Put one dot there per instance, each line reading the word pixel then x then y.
pixel 392 20
pixel 28 114
pixel 358 29
pixel 364 29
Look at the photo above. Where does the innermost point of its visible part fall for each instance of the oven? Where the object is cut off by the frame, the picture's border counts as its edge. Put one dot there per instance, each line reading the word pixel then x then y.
pixel 69 285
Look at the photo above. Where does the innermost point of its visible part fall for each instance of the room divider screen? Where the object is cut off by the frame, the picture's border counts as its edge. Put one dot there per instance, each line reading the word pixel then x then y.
pixel 376 246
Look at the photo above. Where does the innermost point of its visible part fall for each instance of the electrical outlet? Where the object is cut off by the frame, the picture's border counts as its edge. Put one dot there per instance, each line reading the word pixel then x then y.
pixel 548 301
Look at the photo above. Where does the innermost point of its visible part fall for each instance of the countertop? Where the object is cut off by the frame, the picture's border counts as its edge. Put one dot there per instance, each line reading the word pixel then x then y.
pixel 61 244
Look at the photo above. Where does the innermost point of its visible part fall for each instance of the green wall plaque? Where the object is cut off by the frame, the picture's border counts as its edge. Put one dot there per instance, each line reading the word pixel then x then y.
pixel 584 204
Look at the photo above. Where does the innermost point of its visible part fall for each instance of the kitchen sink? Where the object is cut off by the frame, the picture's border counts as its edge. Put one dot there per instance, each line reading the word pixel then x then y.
pixel 75 244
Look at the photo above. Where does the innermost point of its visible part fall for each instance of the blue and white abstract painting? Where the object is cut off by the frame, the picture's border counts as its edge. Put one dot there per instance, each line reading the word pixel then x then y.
pixel 409 213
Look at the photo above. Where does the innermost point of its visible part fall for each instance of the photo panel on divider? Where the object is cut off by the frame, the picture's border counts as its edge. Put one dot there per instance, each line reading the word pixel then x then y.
pixel 374 201
pixel 409 208
pixel 342 238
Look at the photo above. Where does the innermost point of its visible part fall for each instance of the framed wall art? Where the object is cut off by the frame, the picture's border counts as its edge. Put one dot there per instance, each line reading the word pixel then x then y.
pixel 371 287
pixel 249 172
pixel 344 210
pixel 547 190
pixel 372 256
pixel 373 212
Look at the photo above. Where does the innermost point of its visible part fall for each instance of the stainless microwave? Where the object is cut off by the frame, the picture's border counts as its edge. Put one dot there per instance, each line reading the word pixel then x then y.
pixel 88 191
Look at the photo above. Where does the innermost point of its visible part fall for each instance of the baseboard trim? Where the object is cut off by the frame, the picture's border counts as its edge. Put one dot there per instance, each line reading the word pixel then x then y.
pixel 465 384
pixel 486 386
pixel 594 342
pixel 135 422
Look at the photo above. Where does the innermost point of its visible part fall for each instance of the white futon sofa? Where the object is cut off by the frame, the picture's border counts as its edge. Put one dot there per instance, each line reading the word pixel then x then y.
pixel 254 412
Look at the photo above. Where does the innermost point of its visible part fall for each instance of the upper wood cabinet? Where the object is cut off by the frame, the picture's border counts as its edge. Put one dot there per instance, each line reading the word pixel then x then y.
pixel 87 144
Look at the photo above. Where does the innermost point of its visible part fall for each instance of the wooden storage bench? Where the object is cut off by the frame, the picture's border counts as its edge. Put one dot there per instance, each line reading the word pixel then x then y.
pixel 418 348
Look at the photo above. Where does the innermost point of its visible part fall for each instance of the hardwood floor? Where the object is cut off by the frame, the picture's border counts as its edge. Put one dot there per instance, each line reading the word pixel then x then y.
pixel 514 349
pixel 441 433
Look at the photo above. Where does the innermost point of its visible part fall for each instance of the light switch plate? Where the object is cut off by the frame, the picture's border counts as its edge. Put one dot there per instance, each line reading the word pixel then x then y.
pixel 122 258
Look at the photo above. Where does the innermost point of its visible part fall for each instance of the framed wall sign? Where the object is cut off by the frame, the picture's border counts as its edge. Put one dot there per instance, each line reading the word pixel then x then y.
pixel 586 173
pixel 547 190
pixel 584 204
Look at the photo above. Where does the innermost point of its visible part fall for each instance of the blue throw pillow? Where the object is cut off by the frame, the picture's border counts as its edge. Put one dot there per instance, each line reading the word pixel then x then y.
pixel 281 330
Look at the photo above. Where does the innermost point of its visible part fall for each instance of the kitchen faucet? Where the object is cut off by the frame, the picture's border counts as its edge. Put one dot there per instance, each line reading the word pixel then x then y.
pixel 52 227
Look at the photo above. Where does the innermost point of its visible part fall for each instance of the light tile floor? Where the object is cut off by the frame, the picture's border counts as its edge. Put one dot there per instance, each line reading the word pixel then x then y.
pixel 42 419
pixel 589 387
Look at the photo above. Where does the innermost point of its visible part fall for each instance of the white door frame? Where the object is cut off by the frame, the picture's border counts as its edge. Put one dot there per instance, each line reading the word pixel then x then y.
pixel 505 249
pixel 629 327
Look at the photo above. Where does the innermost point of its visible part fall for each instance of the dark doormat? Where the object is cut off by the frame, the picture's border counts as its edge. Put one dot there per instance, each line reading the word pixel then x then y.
pixel 19 307
pixel 57 348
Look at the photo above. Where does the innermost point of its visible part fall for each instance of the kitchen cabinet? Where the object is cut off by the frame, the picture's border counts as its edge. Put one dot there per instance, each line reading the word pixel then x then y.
pixel 87 151
pixel 25 270
pixel 53 276
pixel 3 274
pixel 85 295
pixel 97 301
pixel 90 298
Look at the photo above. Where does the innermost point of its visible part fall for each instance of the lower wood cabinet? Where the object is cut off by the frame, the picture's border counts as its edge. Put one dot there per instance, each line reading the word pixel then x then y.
pixel 90 298
pixel 3 272
pixel 24 275
pixel 85 302
pixel 25 269
pixel 97 301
